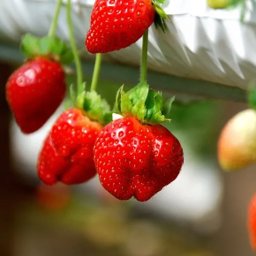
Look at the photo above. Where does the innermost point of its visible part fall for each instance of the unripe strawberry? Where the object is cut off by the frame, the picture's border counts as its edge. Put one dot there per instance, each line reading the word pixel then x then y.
pixel 237 141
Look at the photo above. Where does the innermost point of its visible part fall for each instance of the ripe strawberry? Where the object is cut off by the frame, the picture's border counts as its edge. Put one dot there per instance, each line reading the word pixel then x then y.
pixel 34 91
pixel 116 24
pixel 67 154
pixel 237 141
pixel 133 159
pixel 252 221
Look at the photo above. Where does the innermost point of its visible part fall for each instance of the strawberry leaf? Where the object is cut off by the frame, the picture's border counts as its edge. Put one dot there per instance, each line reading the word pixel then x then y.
pixel 96 107
pixel 154 106
pixel 161 17
pixel 133 101
pixel 145 104
pixel 51 47
pixel 168 106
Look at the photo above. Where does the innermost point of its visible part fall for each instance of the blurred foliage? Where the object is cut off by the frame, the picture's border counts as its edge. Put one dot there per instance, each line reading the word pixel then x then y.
pixel 87 226
pixel 198 122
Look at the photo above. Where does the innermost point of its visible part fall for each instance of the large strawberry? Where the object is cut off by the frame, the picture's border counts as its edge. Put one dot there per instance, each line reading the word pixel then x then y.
pixel 34 91
pixel 134 159
pixel 251 222
pixel 116 24
pixel 67 154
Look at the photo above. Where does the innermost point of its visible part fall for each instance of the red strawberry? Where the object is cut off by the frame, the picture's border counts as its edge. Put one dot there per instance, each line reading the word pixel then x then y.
pixel 34 91
pixel 252 221
pixel 133 159
pixel 116 24
pixel 67 154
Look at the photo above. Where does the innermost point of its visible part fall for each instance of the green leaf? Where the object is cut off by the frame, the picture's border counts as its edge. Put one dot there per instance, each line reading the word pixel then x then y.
pixel 161 17
pixel 145 104
pixel 79 99
pixel 72 92
pixel 133 101
pixel 117 105
pixel 160 1
pixel 52 47
pixel 96 107
pixel 154 106
pixel 30 45
pixel 168 106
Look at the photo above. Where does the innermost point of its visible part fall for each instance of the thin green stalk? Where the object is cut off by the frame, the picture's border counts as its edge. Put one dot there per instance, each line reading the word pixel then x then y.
pixel 54 24
pixel 96 71
pixel 79 73
pixel 144 58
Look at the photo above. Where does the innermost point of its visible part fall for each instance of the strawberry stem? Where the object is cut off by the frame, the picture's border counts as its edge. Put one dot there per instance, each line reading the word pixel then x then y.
pixel 54 24
pixel 96 71
pixel 79 75
pixel 144 58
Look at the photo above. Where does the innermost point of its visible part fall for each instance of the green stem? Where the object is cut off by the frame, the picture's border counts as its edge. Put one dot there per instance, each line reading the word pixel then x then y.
pixel 79 73
pixel 144 58
pixel 54 24
pixel 96 71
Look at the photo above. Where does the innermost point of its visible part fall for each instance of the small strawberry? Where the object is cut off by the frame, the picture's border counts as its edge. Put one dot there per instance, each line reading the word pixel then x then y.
pixel 251 221
pixel 237 141
pixel 34 91
pixel 134 159
pixel 67 154
pixel 116 24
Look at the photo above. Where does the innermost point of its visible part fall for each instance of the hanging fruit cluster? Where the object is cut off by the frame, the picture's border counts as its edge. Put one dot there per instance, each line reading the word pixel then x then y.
pixel 134 156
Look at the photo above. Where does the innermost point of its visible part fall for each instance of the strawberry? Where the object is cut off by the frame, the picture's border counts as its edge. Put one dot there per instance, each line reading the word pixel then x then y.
pixel 34 91
pixel 251 221
pixel 116 24
pixel 135 159
pixel 67 154
pixel 237 141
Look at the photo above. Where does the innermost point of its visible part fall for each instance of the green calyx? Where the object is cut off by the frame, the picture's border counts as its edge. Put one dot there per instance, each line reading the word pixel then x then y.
pixel 161 17
pixel 48 46
pixel 95 106
pixel 145 104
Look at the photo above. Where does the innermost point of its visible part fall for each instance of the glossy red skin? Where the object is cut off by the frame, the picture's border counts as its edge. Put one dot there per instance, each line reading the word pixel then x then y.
pixel 116 24
pixel 34 91
pixel 252 221
pixel 136 160
pixel 67 153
